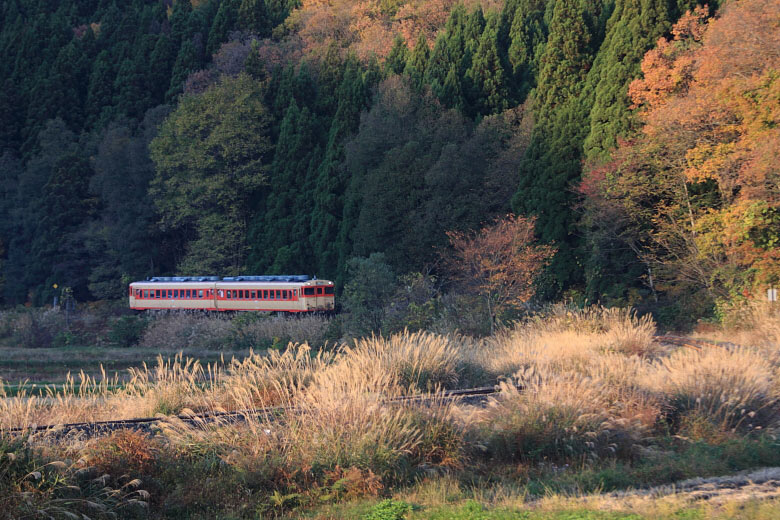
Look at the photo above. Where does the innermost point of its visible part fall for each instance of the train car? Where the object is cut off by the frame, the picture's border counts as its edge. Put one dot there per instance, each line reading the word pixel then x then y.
pixel 292 293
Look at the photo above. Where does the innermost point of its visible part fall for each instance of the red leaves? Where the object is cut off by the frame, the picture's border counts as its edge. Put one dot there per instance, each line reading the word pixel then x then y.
pixel 501 261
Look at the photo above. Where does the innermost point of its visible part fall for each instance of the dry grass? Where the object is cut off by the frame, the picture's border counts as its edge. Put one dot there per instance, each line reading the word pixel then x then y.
pixel 594 386
pixel 417 361
pixel 755 323
pixel 557 417
pixel 734 389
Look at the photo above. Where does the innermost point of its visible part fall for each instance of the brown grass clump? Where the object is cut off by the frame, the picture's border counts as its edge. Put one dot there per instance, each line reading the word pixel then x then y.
pixel 555 417
pixel 627 333
pixel 418 360
pixel 170 387
pixel 733 389
pixel 568 339
pixel 261 381
pixel 123 452
pixel 755 323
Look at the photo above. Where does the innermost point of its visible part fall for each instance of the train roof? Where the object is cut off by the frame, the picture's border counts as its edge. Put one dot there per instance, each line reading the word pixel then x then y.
pixel 280 279
pixel 248 278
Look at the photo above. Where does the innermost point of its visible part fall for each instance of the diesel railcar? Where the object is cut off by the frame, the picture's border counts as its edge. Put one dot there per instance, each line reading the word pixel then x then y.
pixel 291 293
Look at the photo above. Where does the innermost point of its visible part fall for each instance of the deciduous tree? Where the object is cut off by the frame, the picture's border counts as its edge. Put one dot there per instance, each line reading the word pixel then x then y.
pixel 500 262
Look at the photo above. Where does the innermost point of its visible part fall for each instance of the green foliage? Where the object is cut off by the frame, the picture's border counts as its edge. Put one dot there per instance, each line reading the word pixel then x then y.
pixel 211 156
pixel 388 510
pixel 395 63
pixel 371 283
pixel 78 113
pixel 631 30
pixel 487 74
pixel 126 331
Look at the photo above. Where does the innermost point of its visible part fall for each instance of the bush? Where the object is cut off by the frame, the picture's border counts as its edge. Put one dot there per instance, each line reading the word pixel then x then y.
pixel 35 328
pixel 187 331
pixel 371 285
pixel 126 331
pixel 388 510
pixel 263 331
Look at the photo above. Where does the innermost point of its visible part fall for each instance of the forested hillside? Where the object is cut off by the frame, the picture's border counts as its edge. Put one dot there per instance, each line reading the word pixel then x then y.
pixel 267 136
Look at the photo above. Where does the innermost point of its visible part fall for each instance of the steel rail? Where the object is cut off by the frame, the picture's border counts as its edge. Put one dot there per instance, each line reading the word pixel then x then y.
pixel 144 423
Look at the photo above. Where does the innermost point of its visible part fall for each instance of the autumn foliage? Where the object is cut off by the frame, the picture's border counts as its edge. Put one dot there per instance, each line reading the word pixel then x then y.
pixel 697 193
pixel 369 27
pixel 500 262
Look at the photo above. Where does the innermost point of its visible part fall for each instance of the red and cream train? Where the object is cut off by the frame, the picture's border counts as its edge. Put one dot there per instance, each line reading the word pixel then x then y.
pixel 294 293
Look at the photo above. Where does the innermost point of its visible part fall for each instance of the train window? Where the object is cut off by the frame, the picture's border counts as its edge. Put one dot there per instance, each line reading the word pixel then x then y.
pixel 329 290
pixel 308 291
pixel 230 294
pixel 252 295
pixel 175 293
pixel 200 293
pixel 319 291
pixel 244 294
pixel 272 295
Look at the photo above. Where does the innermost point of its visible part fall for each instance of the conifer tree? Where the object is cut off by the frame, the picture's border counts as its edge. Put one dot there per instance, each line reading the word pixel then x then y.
pixel 552 162
pixel 281 242
pixel 527 36
pixel 418 61
pixel 487 74
pixel 634 27
pixel 438 65
pixel 161 63
pixel 396 60
pixel 100 90
pixel 188 60
pixel 253 17
pixel 331 179
pixel 224 21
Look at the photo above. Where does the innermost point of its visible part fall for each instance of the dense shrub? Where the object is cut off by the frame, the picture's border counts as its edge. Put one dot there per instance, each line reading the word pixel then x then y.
pixel 126 331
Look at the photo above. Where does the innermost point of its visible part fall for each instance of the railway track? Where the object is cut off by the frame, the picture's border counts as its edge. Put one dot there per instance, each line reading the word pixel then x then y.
pixel 234 416
pixel 695 344
pixel 146 423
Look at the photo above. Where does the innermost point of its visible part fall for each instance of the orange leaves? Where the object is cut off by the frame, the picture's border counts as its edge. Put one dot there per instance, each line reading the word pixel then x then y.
pixel 501 261
pixel 710 100
pixel 668 68
pixel 367 27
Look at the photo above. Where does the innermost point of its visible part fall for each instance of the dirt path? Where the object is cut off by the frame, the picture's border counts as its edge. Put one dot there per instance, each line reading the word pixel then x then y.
pixel 754 484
